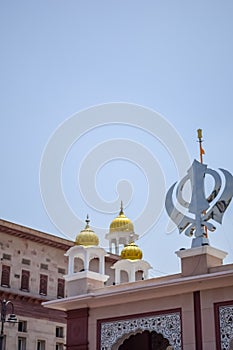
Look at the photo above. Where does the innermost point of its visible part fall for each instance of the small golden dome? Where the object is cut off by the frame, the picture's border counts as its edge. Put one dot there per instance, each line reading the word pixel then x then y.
pixel 132 252
pixel 87 237
pixel 121 223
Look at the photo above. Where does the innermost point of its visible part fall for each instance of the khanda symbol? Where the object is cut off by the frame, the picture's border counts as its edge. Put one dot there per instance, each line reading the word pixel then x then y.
pixel 199 205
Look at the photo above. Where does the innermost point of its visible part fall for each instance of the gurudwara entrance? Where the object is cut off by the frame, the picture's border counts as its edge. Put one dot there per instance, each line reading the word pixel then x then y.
pixel 146 341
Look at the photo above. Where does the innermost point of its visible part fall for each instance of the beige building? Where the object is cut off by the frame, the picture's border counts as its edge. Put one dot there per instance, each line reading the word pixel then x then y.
pixel 32 269
pixel 33 264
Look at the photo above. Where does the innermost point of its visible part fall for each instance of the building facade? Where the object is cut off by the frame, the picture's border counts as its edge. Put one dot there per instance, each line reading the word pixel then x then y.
pixel 190 310
pixel 33 266
pixel 32 269
pixel 77 296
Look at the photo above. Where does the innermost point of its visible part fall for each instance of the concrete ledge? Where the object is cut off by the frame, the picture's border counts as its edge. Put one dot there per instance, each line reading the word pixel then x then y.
pixel 184 253
pixel 198 261
pixel 86 274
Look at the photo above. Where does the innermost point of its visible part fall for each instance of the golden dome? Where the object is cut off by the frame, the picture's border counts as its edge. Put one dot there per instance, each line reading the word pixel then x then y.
pixel 87 237
pixel 121 223
pixel 132 252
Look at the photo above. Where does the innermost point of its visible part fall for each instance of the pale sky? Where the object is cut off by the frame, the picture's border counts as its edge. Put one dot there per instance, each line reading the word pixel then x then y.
pixel 60 57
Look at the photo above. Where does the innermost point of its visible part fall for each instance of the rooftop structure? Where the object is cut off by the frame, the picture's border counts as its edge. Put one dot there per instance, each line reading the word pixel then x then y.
pixel 190 310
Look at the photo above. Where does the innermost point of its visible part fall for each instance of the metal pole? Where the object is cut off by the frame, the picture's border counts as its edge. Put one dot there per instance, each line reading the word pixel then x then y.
pixel 12 318
pixel 199 136
pixel 1 342
pixel 3 319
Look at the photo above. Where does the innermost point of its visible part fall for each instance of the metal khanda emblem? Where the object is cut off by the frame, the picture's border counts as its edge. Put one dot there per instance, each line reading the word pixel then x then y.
pixel 200 206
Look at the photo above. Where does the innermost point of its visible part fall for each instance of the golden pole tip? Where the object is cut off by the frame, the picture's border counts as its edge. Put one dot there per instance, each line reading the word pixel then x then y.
pixel 199 133
pixel 122 208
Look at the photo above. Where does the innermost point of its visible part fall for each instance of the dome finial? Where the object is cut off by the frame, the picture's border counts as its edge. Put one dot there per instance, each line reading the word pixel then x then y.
pixel 87 221
pixel 122 208
pixel 121 223
pixel 87 237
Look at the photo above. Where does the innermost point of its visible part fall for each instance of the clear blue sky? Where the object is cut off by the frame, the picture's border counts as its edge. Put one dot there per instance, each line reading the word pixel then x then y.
pixel 59 57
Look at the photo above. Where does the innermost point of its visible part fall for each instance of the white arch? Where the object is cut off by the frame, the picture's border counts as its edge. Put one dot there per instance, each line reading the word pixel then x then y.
pixel 128 335
pixel 86 254
pixel 117 238
pixel 131 267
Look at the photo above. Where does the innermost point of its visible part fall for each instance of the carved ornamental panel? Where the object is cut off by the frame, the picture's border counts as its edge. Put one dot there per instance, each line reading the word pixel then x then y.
pixel 225 314
pixel 113 333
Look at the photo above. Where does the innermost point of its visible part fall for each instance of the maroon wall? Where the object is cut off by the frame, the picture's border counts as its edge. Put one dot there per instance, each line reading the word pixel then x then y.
pixel 77 329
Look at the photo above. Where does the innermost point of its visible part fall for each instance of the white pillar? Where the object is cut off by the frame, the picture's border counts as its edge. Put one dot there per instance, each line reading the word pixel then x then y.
pixel 117 247
pixel 86 261
pixel 117 276
pixel 71 265
pixel 131 273
pixel 101 265
pixel 145 274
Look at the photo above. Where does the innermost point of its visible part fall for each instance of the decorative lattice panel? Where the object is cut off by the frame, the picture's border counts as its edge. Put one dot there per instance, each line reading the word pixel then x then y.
pixel 169 325
pixel 226 326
